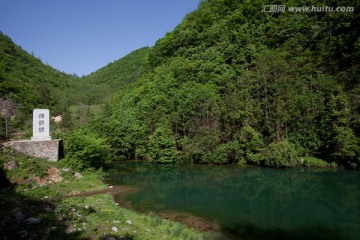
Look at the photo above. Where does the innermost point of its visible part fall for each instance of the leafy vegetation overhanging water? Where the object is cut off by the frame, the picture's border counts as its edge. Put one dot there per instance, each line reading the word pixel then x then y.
pixel 250 202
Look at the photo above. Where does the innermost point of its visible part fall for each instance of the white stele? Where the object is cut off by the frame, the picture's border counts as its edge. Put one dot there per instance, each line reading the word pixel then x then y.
pixel 41 125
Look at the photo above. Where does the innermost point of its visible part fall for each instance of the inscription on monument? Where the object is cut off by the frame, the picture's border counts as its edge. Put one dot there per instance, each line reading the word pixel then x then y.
pixel 41 125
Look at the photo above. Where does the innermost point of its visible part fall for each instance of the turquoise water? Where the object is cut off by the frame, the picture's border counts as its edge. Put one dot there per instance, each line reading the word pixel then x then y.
pixel 250 202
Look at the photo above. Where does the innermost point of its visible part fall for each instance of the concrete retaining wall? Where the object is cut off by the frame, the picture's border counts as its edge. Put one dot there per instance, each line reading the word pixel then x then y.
pixel 49 149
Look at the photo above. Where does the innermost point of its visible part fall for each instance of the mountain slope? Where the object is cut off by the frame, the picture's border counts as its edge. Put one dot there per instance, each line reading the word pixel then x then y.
pixel 29 82
pixel 234 84
pixel 26 83
pixel 121 72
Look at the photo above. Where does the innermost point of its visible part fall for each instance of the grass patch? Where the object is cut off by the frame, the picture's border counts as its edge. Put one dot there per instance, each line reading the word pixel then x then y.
pixel 98 215
pixel 35 208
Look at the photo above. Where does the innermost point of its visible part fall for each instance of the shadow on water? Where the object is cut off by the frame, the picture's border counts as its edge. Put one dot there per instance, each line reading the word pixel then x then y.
pixel 252 232
pixel 22 217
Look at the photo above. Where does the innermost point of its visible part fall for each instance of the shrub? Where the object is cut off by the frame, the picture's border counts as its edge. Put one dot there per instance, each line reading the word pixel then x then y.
pixel 85 149
pixel 226 152
pixel 315 162
pixel 278 155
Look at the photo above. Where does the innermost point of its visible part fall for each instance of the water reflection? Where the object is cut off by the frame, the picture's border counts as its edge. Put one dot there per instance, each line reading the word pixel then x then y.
pixel 251 202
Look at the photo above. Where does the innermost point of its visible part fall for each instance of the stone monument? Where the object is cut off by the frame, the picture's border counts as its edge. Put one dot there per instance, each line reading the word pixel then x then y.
pixel 40 145
pixel 41 125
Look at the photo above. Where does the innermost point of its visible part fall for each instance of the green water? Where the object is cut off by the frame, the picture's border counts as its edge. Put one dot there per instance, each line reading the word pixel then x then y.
pixel 250 202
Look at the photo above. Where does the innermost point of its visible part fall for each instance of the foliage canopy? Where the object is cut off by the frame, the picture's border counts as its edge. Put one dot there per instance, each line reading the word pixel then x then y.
pixel 234 84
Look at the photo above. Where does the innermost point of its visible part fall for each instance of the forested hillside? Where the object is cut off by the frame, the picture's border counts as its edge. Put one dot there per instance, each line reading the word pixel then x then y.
pixel 121 72
pixel 87 95
pixel 26 80
pixel 26 83
pixel 233 84
pixel 230 84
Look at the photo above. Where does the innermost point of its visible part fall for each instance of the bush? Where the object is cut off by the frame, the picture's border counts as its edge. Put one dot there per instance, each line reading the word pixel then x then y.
pixel 278 155
pixel 85 149
pixel 315 162
pixel 226 152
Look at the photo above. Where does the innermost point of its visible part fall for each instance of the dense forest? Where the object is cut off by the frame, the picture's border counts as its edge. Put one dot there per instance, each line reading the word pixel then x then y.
pixel 230 84
pixel 233 84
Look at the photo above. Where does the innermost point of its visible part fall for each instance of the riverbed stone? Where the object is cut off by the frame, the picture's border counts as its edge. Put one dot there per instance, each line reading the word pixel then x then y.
pixel 78 175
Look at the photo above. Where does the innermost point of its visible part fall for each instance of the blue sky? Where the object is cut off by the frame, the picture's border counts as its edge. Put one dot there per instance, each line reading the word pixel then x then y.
pixel 81 36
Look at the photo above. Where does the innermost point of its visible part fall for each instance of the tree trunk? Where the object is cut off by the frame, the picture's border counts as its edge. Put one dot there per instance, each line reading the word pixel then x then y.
pixel 277 134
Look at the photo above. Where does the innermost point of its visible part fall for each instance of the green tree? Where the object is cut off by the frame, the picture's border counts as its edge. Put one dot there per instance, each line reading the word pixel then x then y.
pixel 162 146
pixel 85 149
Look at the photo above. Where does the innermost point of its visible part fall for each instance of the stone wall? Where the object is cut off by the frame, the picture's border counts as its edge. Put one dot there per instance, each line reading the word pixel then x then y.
pixel 48 149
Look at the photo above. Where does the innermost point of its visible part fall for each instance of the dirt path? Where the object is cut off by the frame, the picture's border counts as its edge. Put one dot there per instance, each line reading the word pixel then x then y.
pixel 114 191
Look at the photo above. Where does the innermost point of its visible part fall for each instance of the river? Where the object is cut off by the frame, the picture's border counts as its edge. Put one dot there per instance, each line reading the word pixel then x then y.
pixel 247 202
